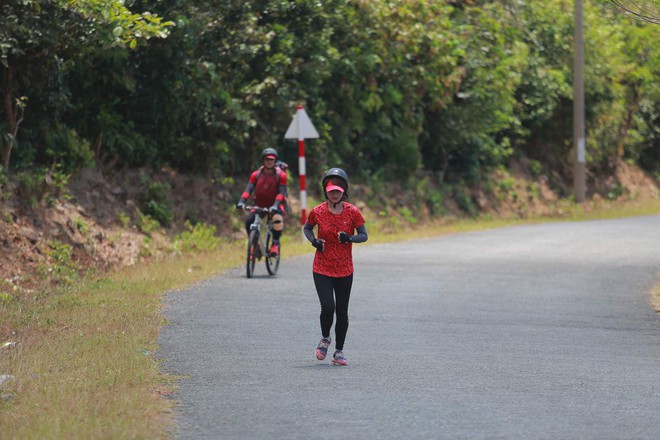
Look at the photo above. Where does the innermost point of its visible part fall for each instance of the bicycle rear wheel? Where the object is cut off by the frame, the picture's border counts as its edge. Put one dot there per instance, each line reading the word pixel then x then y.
pixel 272 263
pixel 253 245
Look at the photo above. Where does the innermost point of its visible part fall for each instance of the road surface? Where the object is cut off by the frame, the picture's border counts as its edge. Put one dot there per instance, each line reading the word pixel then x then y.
pixel 529 332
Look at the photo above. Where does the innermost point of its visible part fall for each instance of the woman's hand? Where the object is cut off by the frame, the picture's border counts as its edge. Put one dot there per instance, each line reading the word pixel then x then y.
pixel 319 244
pixel 344 237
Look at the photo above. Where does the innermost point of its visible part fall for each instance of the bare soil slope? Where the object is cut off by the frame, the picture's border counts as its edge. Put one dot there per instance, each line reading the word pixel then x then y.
pixel 101 217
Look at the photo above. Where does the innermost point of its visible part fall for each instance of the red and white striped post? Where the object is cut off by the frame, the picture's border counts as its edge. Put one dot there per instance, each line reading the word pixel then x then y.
pixel 302 172
pixel 301 128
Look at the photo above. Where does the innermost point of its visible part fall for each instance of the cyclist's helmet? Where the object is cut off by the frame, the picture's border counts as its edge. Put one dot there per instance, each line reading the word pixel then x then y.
pixel 338 177
pixel 269 152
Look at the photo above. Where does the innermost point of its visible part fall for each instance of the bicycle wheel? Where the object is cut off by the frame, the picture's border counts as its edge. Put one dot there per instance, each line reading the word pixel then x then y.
pixel 272 263
pixel 252 249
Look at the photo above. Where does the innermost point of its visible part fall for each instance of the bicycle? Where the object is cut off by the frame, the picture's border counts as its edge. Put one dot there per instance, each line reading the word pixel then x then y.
pixel 258 246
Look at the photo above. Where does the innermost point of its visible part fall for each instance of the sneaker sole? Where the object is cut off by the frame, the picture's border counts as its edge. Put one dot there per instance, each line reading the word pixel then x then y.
pixel 341 364
pixel 320 356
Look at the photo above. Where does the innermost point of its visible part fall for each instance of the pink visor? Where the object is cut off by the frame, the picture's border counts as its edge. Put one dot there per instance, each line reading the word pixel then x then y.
pixel 270 156
pixel 332 187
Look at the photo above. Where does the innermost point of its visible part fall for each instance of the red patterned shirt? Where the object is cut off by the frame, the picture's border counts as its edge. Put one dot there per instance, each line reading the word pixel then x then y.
pixel 337 258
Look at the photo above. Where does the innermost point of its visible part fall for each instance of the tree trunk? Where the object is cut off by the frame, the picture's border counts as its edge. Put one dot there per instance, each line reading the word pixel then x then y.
pixel 97 146
pixel 7 100
pixel 625 127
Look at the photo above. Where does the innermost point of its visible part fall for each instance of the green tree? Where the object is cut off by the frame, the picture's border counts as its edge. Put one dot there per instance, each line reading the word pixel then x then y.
pixel 456 88
pixel 624 68
pixel 463 139
pixel 619 97
pixel 398 58
pixel 40 42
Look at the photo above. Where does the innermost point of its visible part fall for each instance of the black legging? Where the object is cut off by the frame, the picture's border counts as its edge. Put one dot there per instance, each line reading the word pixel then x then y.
pixel 325 286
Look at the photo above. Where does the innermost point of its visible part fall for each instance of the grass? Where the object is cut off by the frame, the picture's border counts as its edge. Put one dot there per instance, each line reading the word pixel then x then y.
pixel 84 367
pixel 655 297
pixel 84 364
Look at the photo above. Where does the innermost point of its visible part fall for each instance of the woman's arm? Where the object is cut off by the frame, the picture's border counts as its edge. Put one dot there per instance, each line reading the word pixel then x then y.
pixel 361 235
pixel 308 230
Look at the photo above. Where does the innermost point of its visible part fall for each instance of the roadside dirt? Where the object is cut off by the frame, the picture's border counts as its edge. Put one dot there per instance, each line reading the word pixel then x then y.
pixel 99 216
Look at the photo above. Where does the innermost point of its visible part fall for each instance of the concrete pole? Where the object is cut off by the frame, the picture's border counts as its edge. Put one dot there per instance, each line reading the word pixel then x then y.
pixel 579 184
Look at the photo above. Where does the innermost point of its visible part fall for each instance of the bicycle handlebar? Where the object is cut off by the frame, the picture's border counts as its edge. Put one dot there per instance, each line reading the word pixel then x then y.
pixel 257 209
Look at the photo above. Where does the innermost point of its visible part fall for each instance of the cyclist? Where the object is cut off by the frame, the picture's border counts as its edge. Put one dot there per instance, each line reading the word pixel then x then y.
pixel 269 186
pixel 337 221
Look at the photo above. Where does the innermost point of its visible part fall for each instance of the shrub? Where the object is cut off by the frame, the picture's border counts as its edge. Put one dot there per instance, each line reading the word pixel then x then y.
pixel 198 237
pixel 159 203
pixel 124 219
pixel 435 202
pixel 464 200
pixel 147 224
pixel 67 148
pixel 62 270
pixel 30 186
pixel 42 185
pixel 408 215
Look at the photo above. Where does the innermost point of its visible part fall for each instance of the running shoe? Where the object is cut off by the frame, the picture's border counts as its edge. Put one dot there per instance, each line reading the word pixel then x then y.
pixel 274 250
pixel 322 349
pixel 338 358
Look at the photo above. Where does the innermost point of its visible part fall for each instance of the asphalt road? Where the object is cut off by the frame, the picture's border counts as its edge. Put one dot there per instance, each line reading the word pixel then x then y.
pixel 530 332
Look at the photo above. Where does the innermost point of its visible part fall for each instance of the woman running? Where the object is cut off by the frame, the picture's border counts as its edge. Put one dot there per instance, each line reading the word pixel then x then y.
pixel 337 221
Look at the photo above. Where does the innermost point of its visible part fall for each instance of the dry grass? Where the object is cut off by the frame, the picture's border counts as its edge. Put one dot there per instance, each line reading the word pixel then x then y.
pixel 655 297
pixel 83 364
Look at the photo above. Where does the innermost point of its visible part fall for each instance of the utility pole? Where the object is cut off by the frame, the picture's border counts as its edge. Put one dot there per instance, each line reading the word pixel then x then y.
pixel 579 184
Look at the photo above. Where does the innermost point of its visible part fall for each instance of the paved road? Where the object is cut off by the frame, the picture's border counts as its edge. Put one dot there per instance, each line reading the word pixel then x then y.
pixel 531 332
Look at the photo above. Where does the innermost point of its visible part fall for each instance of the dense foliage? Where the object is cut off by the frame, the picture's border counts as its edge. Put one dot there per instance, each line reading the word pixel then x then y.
pixel 450 88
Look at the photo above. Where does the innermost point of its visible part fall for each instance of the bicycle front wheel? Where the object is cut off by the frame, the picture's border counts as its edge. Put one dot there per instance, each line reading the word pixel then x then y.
pixel 253 245
pixel 272 262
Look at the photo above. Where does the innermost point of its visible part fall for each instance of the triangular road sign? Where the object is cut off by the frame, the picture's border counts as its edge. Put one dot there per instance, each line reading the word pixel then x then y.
pixel 301 127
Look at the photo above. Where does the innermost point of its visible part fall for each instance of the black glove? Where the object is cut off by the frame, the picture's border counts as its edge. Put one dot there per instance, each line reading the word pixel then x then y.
pixel 344 237
pixel 240 204
pixel 318 244
pixel 272 209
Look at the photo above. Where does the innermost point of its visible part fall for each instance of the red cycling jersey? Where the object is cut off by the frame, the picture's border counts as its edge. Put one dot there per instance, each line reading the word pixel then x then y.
pixel 337 258
pixel 267 188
